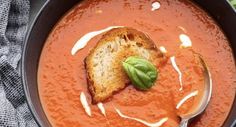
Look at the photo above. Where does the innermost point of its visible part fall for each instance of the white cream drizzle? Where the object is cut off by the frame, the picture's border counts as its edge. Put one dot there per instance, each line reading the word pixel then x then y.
pixel 192 94
pixel 155 5
pixel 185 40
pixel 101 108
pixel 85 104
pixel 157 124
pixel 163 49
pixel 172 59
pixel 182 28
pixel 82 42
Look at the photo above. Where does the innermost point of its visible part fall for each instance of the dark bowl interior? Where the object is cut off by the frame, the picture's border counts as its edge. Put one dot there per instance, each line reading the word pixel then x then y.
pixel 53 10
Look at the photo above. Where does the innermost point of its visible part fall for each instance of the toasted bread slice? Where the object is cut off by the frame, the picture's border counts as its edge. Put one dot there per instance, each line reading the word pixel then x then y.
pixel 105 73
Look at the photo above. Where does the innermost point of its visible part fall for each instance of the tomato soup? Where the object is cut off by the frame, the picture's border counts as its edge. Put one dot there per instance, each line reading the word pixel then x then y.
pixel 62 76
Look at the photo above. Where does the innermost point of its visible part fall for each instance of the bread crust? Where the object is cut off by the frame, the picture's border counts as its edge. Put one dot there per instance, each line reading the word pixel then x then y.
pixel 105 74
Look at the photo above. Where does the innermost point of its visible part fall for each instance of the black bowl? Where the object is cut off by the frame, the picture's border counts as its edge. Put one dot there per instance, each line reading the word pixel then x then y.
pixel 45 16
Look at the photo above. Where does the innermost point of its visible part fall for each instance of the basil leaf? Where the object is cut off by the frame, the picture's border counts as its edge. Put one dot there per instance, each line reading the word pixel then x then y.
pixel 233 2
pixel 141 72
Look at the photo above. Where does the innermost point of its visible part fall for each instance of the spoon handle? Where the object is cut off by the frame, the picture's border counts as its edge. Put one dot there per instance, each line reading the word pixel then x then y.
pixel 183 123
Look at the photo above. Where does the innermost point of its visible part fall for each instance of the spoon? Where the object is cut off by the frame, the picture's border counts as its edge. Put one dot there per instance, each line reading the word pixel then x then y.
pixel 203 102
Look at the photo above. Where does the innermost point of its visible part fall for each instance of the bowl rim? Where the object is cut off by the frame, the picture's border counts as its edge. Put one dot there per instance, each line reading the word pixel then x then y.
pixel 22 70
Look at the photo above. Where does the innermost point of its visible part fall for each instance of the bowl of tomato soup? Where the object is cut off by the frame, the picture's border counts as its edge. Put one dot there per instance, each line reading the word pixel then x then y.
pixel 66 32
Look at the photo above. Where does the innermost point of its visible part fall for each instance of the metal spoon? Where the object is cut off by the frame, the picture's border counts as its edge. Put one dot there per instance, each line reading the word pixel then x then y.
pixel 199 109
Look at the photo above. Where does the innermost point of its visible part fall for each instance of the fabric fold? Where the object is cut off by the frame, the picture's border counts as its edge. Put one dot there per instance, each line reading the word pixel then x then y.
pixel 14 17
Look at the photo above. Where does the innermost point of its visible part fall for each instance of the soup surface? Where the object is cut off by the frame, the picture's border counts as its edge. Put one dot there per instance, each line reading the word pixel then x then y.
pixel 62 76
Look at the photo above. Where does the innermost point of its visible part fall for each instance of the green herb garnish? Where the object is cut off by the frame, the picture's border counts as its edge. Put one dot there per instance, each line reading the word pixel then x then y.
pixel 141 72
pixel 233 2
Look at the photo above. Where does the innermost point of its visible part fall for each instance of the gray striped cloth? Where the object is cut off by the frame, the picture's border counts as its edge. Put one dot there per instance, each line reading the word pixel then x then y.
pixel 14 16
